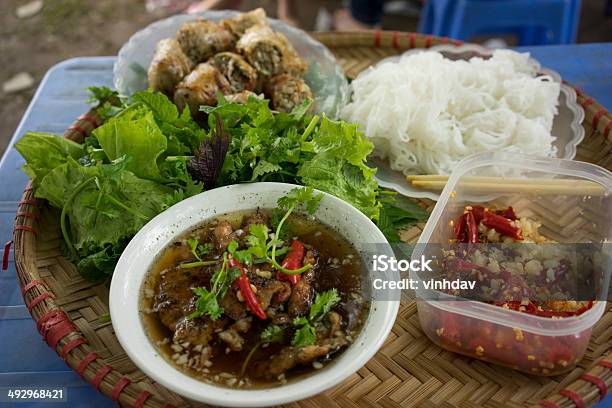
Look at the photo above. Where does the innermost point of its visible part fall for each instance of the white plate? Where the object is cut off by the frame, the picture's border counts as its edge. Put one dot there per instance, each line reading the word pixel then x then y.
pixel 143 249
pixel 566 128
pixel 325 76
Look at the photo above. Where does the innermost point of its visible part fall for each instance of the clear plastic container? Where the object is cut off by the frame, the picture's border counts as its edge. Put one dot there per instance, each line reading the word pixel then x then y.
pixel 575 213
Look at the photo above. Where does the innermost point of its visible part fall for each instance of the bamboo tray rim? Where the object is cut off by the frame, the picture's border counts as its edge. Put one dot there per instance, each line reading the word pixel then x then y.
pixel 71 343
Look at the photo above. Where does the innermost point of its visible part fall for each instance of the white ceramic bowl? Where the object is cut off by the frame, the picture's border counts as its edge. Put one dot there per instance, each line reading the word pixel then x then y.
pixel 140 253
pixel 325 76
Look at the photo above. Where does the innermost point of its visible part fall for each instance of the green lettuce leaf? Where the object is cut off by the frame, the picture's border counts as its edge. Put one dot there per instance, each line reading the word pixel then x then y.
pixel 134 133
pixel 117 204
pixel 44 151
pixel 183 133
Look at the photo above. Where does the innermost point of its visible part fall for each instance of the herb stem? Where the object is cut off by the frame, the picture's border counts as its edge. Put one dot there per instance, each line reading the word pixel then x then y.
pixel 272 259
pixel 177 158
pixel 248 358
pixel 310 127
pixel 118 203
pixel 278 230
pixel 196 264
pixel 286 173
pixel 65 208
pixel 290 271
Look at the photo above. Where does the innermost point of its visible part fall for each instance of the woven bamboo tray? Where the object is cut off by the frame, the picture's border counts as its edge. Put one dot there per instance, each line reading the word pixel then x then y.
pixel 409 370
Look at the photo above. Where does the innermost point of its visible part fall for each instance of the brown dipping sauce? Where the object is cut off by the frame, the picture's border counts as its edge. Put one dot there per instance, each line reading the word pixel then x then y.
pixel 338 266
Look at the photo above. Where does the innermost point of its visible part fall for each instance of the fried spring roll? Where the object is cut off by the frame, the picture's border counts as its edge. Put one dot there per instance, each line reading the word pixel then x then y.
pixel 286 92
pixel 269 53
pixel 200 87
pixel 242 97
pixel 239 24
pixel 239 73
pixel 169 66
pixel 293 63
pixel 201 39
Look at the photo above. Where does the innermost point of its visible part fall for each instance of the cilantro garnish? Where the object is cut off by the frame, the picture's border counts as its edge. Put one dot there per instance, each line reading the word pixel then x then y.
pixel 273 334
pixel 207 303
pixel 199 250
pixel 306 334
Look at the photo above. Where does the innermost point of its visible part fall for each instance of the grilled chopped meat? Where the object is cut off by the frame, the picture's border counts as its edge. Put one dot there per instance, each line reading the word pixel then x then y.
pixel 274 292
pixel 302 294
pixel 232 306
pixel 301 298
pixel 174 296
pixel 194 331
pixel 243 325
pixel 168 67
pixel 232 335
pixel 335 321
pixel 290 357
pixel 224 234
pixel 281 319
pixel 257 218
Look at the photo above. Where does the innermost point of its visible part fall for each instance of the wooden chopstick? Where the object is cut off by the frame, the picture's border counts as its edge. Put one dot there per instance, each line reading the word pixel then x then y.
pixel 511 185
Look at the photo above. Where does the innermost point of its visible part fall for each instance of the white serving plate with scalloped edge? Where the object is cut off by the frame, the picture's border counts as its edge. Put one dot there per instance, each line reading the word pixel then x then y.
pixel 567 124
pixel 324 76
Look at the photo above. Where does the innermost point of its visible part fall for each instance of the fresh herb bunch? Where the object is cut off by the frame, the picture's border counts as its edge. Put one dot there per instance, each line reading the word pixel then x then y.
pixel 304 149
pixel 296 148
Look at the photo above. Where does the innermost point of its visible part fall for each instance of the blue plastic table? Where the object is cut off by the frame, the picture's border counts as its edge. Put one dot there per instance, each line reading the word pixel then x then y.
pixel 25 360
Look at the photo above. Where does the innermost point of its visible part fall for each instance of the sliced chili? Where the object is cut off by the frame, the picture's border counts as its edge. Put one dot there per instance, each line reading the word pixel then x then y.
pixel 472 228
pixel 245 288
pixel 292 261
pixel 507 213
pixel 478 211
pixel 460 229
pixel 501 225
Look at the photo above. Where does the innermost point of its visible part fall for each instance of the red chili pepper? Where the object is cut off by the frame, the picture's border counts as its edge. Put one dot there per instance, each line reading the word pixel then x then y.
pixel 292 261
pixel 459 230
pixel 507 213
pixel 245 288
pixel 472 228
pixel 478 211
pixel 501 225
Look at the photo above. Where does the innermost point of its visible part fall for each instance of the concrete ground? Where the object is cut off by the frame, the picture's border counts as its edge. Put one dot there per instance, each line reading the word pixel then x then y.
pixel 69 28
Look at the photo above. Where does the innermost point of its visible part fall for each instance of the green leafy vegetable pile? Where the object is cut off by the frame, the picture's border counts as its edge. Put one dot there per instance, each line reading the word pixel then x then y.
pixel 129 170
pixel 146 156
